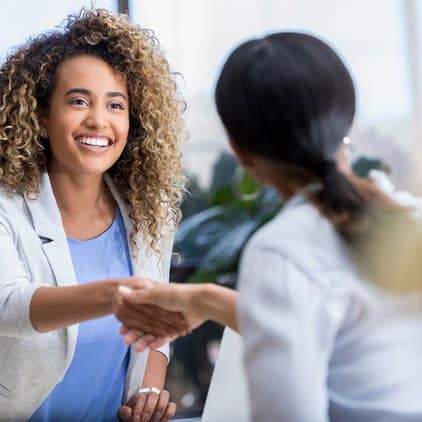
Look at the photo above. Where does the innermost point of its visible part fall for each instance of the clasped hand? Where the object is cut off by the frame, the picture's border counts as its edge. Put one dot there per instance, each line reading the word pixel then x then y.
pixel 154 313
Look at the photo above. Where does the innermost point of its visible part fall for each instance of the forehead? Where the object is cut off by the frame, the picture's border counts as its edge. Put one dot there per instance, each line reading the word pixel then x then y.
pixel 88 72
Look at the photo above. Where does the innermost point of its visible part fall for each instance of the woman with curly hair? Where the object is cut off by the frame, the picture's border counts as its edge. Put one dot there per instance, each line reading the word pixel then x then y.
pixel 91 181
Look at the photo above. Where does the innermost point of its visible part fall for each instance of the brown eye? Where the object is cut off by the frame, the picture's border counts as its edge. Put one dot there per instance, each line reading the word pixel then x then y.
pixel 117 106
pixel 78 101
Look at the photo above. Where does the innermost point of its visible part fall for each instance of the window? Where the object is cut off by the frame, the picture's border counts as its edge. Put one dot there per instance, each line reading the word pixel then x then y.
pixel 375 39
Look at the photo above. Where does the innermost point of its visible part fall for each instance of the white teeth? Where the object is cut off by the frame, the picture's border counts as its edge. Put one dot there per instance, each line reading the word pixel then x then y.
pixel 100 142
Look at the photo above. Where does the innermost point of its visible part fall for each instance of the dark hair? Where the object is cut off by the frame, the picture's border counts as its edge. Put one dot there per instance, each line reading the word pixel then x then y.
pixel 289 97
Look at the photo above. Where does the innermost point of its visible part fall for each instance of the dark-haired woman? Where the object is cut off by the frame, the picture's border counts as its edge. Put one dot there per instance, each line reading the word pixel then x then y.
pixel 90 180
pixel 321 342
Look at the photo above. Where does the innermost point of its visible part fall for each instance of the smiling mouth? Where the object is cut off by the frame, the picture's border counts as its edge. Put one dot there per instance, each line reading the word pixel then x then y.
pixel 94 141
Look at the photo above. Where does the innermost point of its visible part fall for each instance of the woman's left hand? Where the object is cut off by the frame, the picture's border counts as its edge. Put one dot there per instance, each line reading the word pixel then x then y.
pixel 152 406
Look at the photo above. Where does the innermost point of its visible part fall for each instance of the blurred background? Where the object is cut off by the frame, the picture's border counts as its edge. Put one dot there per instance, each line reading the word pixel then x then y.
pixel 380 40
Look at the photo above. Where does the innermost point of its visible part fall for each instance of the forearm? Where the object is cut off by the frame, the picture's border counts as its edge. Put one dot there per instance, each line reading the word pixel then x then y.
pixel 155 370
pixel 216 303
pixel 53 308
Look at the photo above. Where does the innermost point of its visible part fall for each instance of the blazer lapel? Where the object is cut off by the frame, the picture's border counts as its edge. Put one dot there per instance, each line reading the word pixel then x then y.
pixel 48 225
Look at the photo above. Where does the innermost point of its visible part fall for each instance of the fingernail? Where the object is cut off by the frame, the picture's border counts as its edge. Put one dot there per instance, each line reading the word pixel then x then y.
pixel 125 416
pixel 125 291
pixel 145 418
pixel 137 418
pixel 128 339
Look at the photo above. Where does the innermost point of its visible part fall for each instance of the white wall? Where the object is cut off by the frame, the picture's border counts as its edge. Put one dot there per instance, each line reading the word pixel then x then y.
pixel 370 35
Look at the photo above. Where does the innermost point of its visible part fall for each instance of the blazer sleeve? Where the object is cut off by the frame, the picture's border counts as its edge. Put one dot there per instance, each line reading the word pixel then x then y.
pixel 165 262
pixel 287 334
pixel 16 289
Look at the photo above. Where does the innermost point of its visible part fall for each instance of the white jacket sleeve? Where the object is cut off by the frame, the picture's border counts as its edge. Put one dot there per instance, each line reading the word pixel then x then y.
pixel 287 334
pixel 16 290
pixel 165 262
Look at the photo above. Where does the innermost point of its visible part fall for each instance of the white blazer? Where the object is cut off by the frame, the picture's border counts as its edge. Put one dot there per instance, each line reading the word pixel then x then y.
pixel 320 343
pixel 33 253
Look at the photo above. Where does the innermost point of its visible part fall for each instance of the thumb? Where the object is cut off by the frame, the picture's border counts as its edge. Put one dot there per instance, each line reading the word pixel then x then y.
pixel 125 412
pixel 135 282
pixel 140 296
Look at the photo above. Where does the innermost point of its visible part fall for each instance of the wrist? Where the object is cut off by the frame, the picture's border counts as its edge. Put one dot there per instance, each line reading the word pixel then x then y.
pixel 200 299
pixel 107 294
pixel 217 303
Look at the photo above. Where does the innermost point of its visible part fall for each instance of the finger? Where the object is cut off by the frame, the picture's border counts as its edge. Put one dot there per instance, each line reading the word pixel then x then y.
pixel 126 314
pixel 134 283
pixel 170 412
pixel 145 341
pixel 133 336
pixel 138 407
pixel 142 326
pixel 159 316
pixel 160 342
pixel 162 313
pixel 137 294
pixel 161 406
pixel 150 405
pixel 125 413
pixel 123 330
pixel 148 341
pixel 141 346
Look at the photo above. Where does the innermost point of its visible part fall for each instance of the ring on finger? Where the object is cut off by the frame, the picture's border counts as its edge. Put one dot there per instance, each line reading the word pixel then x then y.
pixel 148 390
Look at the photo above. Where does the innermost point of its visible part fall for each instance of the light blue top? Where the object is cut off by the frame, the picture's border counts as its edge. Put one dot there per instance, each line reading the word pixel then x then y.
pixel 92 388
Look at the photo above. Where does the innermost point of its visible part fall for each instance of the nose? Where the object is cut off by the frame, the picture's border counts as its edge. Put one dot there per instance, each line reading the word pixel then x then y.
pixel 96 117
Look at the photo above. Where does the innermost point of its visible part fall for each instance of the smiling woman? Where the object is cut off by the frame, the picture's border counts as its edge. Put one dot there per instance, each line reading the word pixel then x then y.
pixel 90 184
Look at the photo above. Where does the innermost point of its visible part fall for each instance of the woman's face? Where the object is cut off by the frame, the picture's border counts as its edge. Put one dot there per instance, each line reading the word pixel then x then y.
pixel 88 117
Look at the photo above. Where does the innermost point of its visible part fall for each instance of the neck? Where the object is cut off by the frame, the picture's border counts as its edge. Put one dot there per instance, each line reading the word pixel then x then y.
pixel 79 194
pixel 286 179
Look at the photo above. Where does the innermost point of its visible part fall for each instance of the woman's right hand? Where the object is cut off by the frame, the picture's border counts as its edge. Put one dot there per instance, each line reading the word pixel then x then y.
pixel 179 299
pixel 143 315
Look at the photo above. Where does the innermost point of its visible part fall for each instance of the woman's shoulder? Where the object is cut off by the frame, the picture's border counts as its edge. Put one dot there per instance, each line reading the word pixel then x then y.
pixel 299 227
pixel 13 210
pixel 10 202
pixel 302 237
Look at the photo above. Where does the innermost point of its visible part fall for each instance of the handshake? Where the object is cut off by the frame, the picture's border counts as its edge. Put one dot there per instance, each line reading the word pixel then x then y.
pixel 153 313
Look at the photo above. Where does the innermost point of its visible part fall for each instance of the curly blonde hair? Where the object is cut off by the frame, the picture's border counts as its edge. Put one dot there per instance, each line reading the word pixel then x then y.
pixel 148 174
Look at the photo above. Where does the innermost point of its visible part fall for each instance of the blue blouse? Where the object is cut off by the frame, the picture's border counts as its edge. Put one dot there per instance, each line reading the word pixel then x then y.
pixel 92 387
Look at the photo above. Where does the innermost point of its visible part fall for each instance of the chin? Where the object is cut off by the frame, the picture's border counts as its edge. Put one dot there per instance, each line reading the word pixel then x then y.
pixel 96 168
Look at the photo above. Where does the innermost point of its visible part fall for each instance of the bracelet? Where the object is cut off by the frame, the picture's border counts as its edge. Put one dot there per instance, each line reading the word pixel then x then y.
pixel 148 390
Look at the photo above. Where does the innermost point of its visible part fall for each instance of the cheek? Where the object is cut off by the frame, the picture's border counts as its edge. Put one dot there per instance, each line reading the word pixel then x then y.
pixel 61 124
pixel 123 128
pixel 125 131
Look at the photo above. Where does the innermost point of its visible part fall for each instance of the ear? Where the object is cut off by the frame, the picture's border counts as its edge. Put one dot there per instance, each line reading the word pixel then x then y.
pixel 342 159
pixel 42 118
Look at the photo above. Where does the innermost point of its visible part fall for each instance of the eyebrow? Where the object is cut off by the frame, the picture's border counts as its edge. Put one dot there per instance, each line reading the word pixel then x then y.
pixel 85 91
